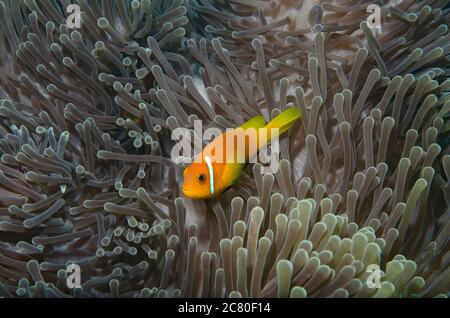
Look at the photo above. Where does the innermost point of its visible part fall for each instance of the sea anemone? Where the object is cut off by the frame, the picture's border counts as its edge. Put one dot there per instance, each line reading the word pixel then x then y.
pixel 87 178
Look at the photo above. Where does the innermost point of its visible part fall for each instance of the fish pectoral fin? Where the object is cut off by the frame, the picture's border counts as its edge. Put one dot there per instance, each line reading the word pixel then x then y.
pixel 231 173
pixel 229 187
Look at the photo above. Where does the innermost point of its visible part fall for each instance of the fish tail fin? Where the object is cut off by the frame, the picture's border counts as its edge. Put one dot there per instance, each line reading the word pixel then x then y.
pixel 283 121
pixel 255 122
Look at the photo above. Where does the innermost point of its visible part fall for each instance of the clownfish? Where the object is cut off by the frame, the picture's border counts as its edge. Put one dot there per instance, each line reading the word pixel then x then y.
pixel 221 162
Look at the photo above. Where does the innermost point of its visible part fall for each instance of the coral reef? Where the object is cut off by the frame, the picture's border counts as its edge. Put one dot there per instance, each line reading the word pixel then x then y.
pixel 86 177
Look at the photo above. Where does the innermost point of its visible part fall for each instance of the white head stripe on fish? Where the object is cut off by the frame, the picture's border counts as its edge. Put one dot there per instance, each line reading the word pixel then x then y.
pixel 211 174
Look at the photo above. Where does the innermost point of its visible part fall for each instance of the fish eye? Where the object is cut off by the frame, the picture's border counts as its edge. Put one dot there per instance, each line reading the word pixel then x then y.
pixel 201 177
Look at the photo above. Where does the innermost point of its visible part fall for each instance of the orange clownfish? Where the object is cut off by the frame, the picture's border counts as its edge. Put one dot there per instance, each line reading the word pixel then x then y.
pixel 221 162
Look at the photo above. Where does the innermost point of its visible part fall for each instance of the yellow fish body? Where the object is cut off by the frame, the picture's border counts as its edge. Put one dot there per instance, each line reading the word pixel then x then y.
pixel 220 163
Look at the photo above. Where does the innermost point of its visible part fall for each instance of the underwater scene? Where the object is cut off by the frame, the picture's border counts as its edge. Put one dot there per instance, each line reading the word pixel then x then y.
pixel 224 149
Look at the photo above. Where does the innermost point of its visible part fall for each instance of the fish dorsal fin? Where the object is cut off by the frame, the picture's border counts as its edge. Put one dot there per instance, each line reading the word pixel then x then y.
pixel 255 122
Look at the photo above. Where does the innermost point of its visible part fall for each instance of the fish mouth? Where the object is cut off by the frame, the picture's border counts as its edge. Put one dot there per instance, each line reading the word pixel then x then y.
pixel 188 193
pixel 192 194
